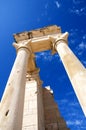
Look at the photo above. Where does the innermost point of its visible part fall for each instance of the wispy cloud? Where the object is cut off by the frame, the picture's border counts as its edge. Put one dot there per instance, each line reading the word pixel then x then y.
pixel 76 122
pixel 81 11
pixel 77 1
pixel 46 5
pixel 81 48
pixel 78 8
pixel 73 104
pixel 84 37
pixel 70 93
pixel 82 45
pixel 57 4
pixel 73 114
pixel 63 101
pixel 47 56
pixel 44 55
pixel 77 41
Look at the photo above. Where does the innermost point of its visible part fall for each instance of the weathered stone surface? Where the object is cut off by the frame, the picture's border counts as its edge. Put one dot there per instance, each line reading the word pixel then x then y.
pixel 11 108
pixel 30 116
pixel 40 110
pixel 33 117
pixel 37 33
pixel 74 68
pixel 53 119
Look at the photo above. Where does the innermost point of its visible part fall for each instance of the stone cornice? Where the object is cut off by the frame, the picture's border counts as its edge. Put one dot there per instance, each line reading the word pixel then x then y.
pixel 40 38
pixel 37 33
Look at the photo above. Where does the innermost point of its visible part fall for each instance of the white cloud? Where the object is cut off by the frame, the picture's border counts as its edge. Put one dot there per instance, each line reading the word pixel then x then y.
pixel 73 104
pixel 77 11
pixel 63 101
pixel 81 11
pixel 84 37
pixel 81 48
pixel 46 5
pixel 70 93
pixel 73 33
pixel 76 122
pixel 57 4
pixel 77 41
pixel 82 45
pixel 77 1
pixel 80 53
pixel 45 56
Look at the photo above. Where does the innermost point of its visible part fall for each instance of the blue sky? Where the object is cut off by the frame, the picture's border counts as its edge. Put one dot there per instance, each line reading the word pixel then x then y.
pixel 18 16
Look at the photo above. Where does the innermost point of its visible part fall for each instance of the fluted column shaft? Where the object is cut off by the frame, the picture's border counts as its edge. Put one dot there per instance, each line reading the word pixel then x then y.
pixel 11 110
pixel 75 70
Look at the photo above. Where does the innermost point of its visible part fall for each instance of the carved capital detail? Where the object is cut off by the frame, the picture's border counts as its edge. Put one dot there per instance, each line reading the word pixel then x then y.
pixel 25 44
pixel 59 39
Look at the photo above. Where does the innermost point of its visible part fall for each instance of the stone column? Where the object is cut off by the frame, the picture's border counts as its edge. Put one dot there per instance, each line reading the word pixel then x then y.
pixel 11 110
pixel 33 117
pixel 30 114
pixel 75 70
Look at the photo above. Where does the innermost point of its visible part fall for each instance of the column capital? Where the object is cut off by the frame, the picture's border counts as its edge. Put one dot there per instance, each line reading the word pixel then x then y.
pixel 35 72
pixel 34 75
pixel 61 38
pixel 25 44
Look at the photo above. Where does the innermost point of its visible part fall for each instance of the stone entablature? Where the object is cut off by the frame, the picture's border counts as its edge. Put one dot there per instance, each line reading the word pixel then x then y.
pixel 37 33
